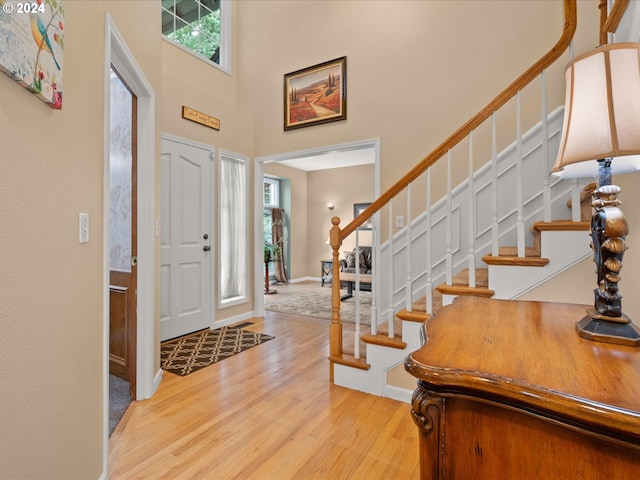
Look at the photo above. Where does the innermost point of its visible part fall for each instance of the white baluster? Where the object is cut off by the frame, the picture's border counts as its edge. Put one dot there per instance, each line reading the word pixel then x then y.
pixel 429 247
pixel 519 180
pixel 546 169
pixel 408 288
pixel 356 334
pixel 471 218
pixel 575 200
pixel 449 261
pixel 391 271
pixel 495 234
pixel 375 265
pixel 575 190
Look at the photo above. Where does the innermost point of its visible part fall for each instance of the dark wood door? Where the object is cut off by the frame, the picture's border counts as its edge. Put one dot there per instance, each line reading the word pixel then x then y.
pixel 123 282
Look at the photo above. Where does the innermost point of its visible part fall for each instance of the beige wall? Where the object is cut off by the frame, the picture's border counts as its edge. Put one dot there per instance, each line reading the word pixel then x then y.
pixel 51 347
pixel 416 71
pixel 344 187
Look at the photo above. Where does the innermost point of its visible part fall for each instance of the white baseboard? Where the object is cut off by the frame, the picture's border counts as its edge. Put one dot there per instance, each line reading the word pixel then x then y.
pixel 397 393
pixel 235 319
pixel 304 279
pixel 157 378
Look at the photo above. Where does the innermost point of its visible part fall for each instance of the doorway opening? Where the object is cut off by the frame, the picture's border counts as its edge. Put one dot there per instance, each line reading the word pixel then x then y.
pixel 323 158
pixel 122 248
pixel 147 376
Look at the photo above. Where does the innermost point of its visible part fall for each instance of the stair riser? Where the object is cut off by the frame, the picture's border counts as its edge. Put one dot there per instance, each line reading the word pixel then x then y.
pixel 563 249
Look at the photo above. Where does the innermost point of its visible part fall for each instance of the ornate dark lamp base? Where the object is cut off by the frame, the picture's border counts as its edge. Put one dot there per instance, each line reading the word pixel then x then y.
pixel 600 328
pixel 605 322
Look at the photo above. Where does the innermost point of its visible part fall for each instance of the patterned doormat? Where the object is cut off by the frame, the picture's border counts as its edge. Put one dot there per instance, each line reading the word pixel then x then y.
pixel 189 354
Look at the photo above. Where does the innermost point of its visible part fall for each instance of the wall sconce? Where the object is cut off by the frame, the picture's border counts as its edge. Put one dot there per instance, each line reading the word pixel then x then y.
pixel 330 205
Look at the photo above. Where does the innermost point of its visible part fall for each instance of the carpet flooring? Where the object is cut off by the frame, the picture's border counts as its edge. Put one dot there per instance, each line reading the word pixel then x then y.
pixel 317 303
pixel 194 352
pixel 119 400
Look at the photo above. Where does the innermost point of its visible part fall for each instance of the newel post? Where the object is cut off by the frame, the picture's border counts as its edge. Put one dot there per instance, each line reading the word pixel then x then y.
pixel 335 332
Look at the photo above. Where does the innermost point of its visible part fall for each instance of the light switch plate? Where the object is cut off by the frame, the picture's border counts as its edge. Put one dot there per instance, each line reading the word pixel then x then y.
pixel 84 227
pixel 399 221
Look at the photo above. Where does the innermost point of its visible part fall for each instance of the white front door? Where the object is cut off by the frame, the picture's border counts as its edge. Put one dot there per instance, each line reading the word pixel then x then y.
pixel 186 238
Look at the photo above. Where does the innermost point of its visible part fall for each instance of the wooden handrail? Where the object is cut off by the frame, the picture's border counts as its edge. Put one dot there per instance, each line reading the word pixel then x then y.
pixel 337 235
pixel 610 25
pixel 570 22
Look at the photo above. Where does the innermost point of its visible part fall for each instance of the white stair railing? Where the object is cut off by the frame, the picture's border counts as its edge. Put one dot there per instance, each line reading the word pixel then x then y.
pixel 416 266
pixel 422 269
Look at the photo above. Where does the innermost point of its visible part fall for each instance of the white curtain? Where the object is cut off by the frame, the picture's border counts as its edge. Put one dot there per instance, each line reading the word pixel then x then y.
pixel 233 228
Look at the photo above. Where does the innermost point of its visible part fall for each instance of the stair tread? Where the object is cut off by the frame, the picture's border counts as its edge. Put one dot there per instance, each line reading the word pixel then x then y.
pixel 560 225
pixel 513 252
pixel 460 284
pixel 514 260
pixel 465 290
pixel 415 315
pixel 350 361
pixel 384 340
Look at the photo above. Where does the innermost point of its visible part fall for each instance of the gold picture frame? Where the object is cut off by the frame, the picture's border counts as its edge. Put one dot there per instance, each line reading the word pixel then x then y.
pixel 316 94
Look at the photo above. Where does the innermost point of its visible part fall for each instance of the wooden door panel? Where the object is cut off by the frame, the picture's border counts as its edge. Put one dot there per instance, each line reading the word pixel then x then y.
pixel 120 325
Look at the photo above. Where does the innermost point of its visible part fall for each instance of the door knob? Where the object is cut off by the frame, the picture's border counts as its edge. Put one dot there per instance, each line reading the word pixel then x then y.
pixel 206 248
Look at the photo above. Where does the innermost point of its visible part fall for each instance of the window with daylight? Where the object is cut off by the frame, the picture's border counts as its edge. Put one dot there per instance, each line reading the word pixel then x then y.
pixel 234 229
pixel 271 192
pixel 199 26
pixel 271 188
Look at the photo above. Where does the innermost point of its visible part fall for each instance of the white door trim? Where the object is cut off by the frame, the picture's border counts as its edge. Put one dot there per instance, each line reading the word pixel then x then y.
pixel 148 379
pixel 258 173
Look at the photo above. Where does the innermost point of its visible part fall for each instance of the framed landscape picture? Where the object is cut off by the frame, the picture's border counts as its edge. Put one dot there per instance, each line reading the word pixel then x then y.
pixel 316 94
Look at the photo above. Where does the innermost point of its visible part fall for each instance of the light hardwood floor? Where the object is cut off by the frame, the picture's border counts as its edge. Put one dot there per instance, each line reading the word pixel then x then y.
pixel 268 413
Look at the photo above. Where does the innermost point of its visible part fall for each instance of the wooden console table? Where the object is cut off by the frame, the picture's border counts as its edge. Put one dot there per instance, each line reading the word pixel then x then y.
pixel 507 389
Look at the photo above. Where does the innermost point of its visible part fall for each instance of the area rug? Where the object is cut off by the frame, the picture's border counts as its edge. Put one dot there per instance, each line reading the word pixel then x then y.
pixel 194 352
pixel 317 303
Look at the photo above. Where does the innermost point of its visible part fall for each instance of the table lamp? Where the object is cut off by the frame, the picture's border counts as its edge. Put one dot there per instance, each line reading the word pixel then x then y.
pixel 601 137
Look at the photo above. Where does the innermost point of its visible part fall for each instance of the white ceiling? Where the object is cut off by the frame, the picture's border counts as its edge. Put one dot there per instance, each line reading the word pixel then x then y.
pixel 338 159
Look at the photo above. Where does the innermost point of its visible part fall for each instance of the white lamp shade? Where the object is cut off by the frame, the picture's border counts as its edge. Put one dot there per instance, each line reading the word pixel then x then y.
pixel 602 112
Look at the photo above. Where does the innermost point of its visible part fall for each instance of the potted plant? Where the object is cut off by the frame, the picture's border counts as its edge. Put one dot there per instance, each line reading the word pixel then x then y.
pixel 271 251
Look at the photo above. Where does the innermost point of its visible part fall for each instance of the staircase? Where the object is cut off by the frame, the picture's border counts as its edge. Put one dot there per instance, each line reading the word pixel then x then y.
pixel 553 247
pixel 493 235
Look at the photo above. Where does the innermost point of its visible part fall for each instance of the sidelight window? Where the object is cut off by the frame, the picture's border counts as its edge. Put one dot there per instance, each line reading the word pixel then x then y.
pixel 234 229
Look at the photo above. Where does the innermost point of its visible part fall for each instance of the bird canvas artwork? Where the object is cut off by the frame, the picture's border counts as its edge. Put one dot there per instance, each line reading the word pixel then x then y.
pixel 32 45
